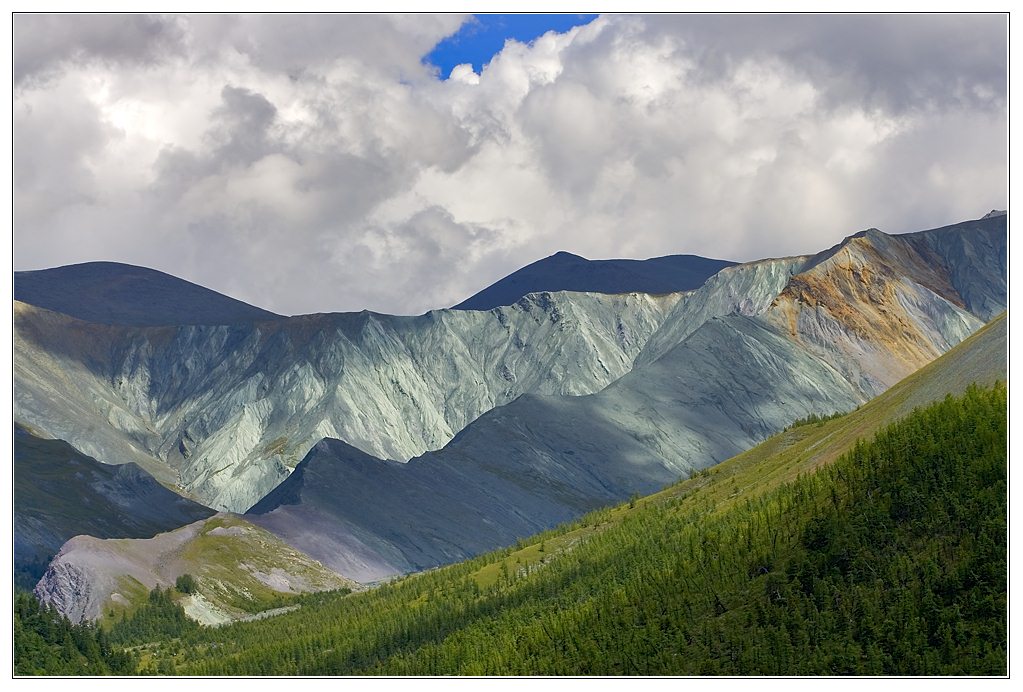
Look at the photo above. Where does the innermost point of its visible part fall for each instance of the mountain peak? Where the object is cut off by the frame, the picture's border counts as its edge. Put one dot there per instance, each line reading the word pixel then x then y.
pixel 564 271
pixel 993 213
pixel 128 295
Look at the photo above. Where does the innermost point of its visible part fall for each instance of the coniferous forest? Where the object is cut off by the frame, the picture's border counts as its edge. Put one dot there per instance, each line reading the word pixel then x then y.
pixel 45 643
pixel 890 561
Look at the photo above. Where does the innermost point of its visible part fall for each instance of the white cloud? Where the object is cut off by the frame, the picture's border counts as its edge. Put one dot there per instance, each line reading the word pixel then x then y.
pixel 464 73
pixel 313 163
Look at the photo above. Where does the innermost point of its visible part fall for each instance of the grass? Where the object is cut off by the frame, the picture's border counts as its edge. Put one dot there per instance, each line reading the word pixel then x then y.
pixel 223 565
pixel 133 591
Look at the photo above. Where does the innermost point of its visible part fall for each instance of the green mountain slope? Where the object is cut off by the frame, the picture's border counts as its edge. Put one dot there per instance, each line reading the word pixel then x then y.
pixel 238 570
pixel 780 561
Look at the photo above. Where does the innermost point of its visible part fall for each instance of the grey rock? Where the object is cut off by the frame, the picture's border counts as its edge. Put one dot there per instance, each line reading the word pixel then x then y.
pixel 226 412
pixel 755 348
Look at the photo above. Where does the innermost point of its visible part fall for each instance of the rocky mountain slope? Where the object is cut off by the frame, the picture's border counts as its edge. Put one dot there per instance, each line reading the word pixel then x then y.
pixel 59 493
pixel 755 348
pixel 114 293
pixel 225 412
pixel 567 272
pixel 538 461
pixel 559 458
pixel 589 398
pixel 239 570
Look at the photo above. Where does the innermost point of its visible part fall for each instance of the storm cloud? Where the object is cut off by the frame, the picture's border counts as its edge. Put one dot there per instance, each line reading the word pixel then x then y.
pixel 315 163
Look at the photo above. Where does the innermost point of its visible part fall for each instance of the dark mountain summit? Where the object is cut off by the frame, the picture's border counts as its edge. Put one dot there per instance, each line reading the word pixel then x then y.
pixel 567 272
pixel 123 294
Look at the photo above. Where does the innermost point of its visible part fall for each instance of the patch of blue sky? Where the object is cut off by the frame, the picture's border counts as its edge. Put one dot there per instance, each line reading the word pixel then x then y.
pixel 483 36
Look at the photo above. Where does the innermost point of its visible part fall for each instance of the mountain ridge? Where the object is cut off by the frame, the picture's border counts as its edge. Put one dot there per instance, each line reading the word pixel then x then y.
pixel 779 355
pixel 564 271
pixel 184 401
pixel 784 457
pixel 128 295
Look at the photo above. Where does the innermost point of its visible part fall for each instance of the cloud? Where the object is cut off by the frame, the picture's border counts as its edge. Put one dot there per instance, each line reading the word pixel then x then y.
pixel 895 62
pixel 313 163
pixel 465 74
pixel 44 44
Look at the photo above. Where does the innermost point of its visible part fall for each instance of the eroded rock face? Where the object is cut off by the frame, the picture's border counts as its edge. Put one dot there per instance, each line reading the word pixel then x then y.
pixel 69 588
pixel 226 412
pixel 877 307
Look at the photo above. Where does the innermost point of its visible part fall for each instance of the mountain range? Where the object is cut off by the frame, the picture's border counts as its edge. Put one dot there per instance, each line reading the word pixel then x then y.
pixel 380 445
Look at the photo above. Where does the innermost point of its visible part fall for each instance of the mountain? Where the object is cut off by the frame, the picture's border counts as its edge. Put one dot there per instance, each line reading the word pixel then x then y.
pixel 758 346
pixel 122 294
pixel 819 552
pixel 567 272
pixel 559 457
pixel 92 568
pixel 225 412
pixel 975 255
pixel 885 277
pixel 59 493
pixel 238 570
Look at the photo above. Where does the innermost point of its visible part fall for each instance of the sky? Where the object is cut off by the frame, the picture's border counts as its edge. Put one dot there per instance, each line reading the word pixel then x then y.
pixel 395 163
pixel 483 36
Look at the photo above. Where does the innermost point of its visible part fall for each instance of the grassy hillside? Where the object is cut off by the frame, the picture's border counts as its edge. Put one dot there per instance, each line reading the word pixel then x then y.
pixel 889 561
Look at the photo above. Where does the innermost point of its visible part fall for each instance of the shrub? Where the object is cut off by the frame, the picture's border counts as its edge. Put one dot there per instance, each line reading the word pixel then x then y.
pixel 185 583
